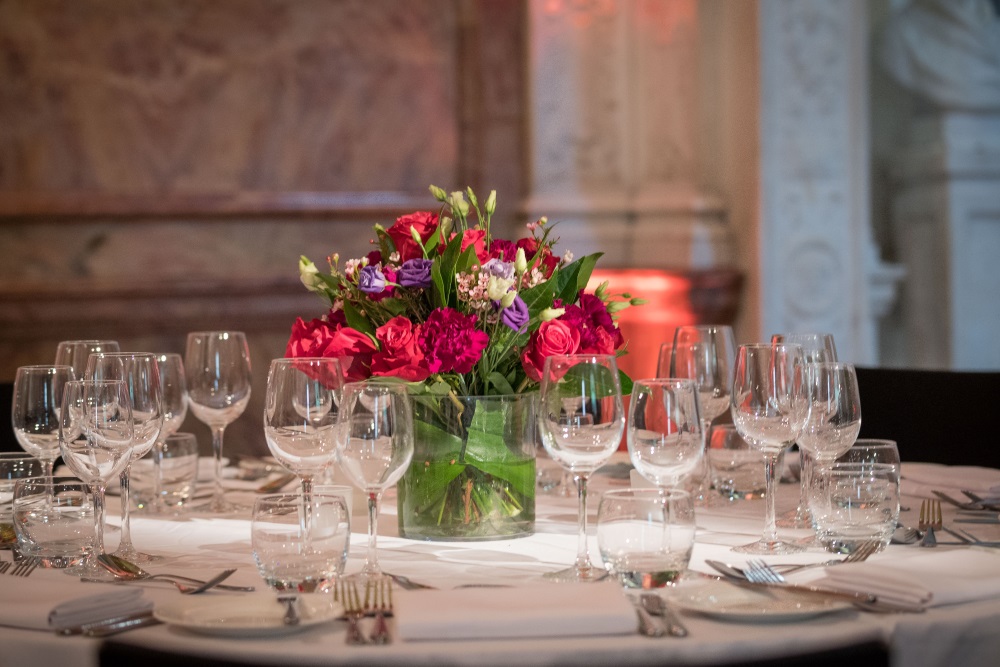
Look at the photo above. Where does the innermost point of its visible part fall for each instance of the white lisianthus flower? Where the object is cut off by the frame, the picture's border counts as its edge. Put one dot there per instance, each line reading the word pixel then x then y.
pixel 520 261
pixel 309 275
pixel 550 314
pixel 498 287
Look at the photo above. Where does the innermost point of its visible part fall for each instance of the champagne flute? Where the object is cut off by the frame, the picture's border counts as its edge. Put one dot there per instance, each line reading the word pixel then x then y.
pixel 665 440
pixel 300 419
pixel 173 389
pixel 770 406
pixel 141 374
pixel 217 367
pixel 96 433
pixel 581 420
pixel 374 448
pixel 38 392
pixel 815 347
pixel 76 353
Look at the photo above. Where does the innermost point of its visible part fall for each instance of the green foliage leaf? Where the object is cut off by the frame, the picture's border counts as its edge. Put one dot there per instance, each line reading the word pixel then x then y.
pixel 500 383
pixel 574 277
pixel 356 320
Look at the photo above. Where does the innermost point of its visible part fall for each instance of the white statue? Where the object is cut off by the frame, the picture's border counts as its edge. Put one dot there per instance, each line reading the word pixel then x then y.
pixel 947 52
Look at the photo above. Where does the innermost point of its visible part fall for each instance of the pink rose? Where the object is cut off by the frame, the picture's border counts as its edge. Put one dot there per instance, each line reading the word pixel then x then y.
pixel 554 337
pixel 400 355
pixel 424 222
pixel 321 339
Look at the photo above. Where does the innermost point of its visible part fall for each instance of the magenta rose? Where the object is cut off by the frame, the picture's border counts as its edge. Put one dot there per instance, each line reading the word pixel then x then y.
pixel 321 339
pixel 424 222
pixel 554 337
pixel 399 354
pixel 451 342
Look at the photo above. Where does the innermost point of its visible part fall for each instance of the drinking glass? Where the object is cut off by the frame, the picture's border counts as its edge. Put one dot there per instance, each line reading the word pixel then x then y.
pixel 76 353
pixel 13 466
pixel 300 418
pixel 217 368
pixel 170 471
pixel 581 420
pixel 374 447
pixel 664 435
pixel 815 347
pixel 770 406
pixel 141 374
pixel 736 465
pixel 855 503
pixel 96 434
pixel 646 535
pixel 872 450
pixel 173 389
pixel 38 392
pixel 54 521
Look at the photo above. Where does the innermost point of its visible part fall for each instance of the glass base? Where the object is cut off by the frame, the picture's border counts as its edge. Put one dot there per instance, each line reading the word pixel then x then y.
pixel 764 547
pixel 577 574
pixel 800 517
pixel 137 557
pixel 90 570
pixel 221 506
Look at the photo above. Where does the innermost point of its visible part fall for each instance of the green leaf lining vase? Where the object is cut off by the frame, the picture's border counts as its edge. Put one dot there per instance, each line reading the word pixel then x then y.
pixel 473 472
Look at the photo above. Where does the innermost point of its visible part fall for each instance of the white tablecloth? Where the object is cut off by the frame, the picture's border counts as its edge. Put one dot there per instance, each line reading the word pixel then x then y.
pixel 960 634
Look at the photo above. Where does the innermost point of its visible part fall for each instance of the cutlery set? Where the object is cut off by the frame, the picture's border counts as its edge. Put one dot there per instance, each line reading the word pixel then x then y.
pixel 377 602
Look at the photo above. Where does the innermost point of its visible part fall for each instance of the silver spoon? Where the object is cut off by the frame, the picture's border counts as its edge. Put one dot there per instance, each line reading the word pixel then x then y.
pixel 129 571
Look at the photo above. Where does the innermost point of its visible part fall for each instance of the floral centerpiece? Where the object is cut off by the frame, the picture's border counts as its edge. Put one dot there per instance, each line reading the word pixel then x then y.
pixel 467 320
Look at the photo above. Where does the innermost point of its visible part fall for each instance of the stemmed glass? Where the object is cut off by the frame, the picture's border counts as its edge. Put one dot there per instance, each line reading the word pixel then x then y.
pixel 709 351
pixel 665 440
pixel 300 419
pixel 374 448
pixel 101 412
pixel 581 420
pixel 217 366
pixel 141 374
pixel 76 353
pixel 770 406
pixel 173 389
pixel 38 393
pixel 815 347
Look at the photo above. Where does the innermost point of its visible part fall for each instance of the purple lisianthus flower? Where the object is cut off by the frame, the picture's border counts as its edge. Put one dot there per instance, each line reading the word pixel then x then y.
pixel 515 315
pixel 415 273
pixel 371 280
pixel 499 268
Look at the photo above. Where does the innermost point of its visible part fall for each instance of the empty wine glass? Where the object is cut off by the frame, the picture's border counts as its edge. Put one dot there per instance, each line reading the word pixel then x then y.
pixel 76 353
pixel 815 347
pixel 770 406
pixel 374 448
pixel 665 440
pixel 300 419
pixel 96 433
pixel 217 369
pixel 38 392
pixel 141 374
pixel 173 391
pixel 581 420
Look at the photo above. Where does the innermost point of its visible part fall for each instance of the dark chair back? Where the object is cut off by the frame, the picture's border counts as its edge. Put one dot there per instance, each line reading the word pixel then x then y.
pixel 933 415
pixel 8 443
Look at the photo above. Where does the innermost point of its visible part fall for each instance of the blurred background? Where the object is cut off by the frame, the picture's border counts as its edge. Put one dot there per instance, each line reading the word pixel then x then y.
pixel 780 165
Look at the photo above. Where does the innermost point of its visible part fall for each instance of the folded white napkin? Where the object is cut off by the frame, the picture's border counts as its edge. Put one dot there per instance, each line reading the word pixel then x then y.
pixel 543 610
pixel 920 479
pixel 931 579
pixel 41 605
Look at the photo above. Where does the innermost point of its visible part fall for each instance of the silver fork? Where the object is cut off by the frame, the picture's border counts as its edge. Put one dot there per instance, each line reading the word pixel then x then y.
pixel 864 550
pixel 4 566
pixel 24 568
pixel 759 572
pixel 347 594
pixel 378 597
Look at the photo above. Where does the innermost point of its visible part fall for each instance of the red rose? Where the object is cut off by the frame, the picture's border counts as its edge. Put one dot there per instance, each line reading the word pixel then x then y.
pixel 601 342
pixel 473 237
pixel 399 356
pixel 554 337
pixel 424 222
pixel 319 339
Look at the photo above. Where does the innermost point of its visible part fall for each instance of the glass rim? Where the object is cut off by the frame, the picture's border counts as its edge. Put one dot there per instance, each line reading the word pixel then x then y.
pixel 664 380
pixel 50 368
pixel 41 480
pixel 873 443
pixel 669 493
pixel 219 332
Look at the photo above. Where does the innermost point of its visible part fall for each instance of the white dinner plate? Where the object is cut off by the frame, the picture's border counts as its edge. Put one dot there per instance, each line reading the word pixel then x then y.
pixel 254 615
pixel 725 601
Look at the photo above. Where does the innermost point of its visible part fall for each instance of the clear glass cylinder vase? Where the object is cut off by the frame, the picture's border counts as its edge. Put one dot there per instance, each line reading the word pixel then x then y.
pixel 473 472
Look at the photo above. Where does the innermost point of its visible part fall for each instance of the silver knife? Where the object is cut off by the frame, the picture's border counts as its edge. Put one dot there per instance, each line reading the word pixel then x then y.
pixel 654 604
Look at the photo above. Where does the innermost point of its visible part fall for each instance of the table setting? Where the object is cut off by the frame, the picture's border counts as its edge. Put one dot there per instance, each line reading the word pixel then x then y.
pixel 405 512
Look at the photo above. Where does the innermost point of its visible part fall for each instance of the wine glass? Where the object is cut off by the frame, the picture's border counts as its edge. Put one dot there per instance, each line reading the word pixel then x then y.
pixel 770 406
pixel 581 420
pixel 709 351
pixel 374 438
pixel 141 374
pixel 76 353
pixel 96 434
pixel 38 392
pixel 665 440
pixel 815 347
pixel 217 367
pixel 300 419
pixel 173 390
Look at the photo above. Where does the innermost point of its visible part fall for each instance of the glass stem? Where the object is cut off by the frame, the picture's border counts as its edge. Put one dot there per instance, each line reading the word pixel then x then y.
pixel 47 469
pixel 805 472
pixel 218 497
pixel 126 540
pixel 770 528
pixel 582 552
pixel 98 490
pixel 156 504
pixel 307 510
pixel 371 561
